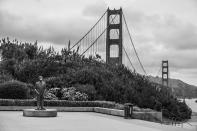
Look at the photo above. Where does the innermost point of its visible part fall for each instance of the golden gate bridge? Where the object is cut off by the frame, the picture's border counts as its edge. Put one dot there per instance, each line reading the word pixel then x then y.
pixel 105 39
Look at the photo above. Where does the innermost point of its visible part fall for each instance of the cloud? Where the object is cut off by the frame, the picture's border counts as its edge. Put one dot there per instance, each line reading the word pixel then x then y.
pixel 167 30
pixel 49 24
pixel 162 37
pixel 195 2
pixel 157 35
pixel 51 30
pixel 95 9
pixel 180 36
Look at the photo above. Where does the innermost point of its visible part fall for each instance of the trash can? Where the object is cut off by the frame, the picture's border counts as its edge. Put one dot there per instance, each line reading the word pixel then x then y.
pixel 128 110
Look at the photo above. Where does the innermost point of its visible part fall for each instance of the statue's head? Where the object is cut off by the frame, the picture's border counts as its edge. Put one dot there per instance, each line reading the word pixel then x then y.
pixel 40 78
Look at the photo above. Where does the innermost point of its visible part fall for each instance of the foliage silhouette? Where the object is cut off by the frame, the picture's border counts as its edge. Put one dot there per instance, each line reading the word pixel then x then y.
pixel 99 80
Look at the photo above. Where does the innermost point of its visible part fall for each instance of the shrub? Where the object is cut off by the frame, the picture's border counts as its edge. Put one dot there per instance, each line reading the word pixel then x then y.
pixel 14 90
pixel 61 103
pixel 54 82
pixel 5 77
pixel 32 92
pixel 50 96
pixel 88 89
pixel 86 76
pixel 54 91
pixel 73 95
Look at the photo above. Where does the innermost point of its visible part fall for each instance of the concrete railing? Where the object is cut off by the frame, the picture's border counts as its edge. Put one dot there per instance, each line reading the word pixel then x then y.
pixel 149 116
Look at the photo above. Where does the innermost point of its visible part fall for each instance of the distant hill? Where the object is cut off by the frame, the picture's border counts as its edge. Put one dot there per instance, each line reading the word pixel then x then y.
pixel 181 88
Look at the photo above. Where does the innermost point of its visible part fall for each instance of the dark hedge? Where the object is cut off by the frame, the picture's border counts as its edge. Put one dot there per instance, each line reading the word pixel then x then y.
pixel 61 103
pixel 14 90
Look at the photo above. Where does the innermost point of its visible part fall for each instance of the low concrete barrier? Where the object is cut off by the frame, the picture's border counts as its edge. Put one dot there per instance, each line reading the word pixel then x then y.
pixel 114 112
pixel 149 116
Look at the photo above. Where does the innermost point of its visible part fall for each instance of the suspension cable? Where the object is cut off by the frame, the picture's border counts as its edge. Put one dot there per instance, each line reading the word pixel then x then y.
pixel 133 45
pixel 129 59
pixel 97 38
pixel 89 30
pixel 158 71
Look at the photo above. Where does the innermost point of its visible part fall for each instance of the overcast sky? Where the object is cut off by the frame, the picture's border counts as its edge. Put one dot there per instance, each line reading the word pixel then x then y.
pixel 161 29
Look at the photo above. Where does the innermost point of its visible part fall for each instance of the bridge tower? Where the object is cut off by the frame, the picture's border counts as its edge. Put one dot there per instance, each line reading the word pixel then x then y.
pixel 165 73
pixel 116 42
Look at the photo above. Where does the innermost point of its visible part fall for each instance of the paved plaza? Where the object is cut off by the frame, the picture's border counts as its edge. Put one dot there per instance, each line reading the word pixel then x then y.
pixel 77 121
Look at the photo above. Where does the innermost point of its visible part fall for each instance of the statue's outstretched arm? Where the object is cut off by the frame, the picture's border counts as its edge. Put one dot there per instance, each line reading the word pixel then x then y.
pixel 36 91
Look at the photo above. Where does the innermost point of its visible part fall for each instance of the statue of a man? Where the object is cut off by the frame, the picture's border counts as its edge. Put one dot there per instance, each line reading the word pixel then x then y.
pixel 40 90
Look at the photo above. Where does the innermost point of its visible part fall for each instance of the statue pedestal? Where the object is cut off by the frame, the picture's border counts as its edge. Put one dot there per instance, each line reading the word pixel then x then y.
pixel 40 113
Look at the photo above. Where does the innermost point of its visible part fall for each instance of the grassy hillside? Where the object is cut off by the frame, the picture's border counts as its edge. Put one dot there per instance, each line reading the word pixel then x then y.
pixel 181 88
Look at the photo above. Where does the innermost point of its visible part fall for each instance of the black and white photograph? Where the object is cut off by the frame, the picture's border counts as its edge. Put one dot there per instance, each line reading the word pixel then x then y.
pixel 98 65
